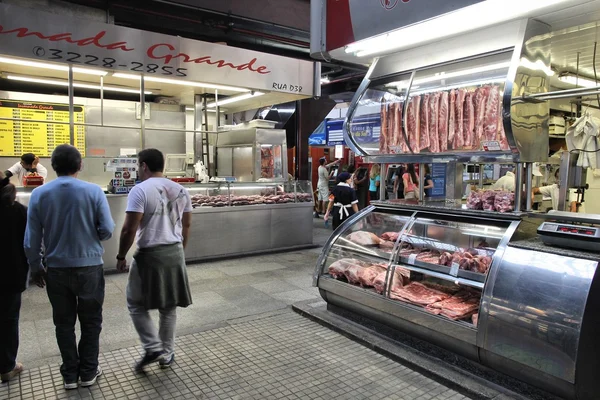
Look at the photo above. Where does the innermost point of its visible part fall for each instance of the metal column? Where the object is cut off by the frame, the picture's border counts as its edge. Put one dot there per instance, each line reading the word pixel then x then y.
pixel 143 112
pixel 71 108
pixel 421 182
pixel 518 186
pixel 528 185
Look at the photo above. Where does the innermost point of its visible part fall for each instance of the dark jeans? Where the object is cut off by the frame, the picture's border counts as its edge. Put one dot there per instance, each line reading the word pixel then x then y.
pixel 77 292
pixel 10 305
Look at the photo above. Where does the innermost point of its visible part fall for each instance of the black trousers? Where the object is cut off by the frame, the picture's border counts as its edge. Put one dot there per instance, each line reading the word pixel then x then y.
pixel 10 306
pixel 77 292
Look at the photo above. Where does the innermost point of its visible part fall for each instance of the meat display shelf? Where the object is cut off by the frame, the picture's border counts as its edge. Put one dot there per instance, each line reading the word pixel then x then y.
pixel 372 254
pixel 533 300
pixel 463 277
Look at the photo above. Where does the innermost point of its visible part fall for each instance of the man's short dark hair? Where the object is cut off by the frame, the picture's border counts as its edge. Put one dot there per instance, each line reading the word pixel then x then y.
pixel 322 161
pixel 28 158
pixel 66 160
pixel 153 158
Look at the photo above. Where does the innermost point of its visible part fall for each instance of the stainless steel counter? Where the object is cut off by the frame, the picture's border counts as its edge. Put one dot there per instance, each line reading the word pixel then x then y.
pixel 219 232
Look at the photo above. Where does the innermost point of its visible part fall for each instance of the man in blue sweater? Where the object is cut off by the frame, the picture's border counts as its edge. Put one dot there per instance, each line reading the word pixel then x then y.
pixel 71 217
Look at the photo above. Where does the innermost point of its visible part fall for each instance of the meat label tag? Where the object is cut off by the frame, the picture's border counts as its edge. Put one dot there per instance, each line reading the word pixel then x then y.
pixel 412 258
pixel 490 145
pixel 454 269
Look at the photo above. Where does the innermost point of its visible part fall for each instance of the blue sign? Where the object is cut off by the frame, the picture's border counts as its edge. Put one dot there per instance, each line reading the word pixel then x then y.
pixel 438 176
pixel 317 139
pixel 366 129
pixel 335 132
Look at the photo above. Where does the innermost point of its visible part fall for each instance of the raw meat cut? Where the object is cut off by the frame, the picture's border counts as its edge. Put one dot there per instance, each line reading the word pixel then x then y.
pixel 364 238
pixel 461 310
pixel 458 298
pixel 459 109
pixel 475 318
pixel 418 294
pixel 434 138
pixel 413 130
pixel 199 200
pixel 469 120
pixel 474 201
pixel 353 273
pixel 451 117
pixel 479 101
pixel 490 121
pixel 471 260
pixel 487 199
pixel 398 143
pixel 424 122
pixel 501 133
pixel 391 236
pixel 443 122
pixel 504 202
pixel 384 131
pixel 379 282
pixel 338 268
pixel 429 256
pixel 367 275
pixel 386 244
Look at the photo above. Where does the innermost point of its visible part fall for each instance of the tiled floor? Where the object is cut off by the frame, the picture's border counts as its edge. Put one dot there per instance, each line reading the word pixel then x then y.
pixel 281 356
pixel 239 340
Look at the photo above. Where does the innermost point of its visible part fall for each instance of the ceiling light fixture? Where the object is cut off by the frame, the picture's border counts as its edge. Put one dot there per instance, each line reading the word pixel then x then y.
pixel 81 85
pixel 325 80
pixel 180 82
pixel 537 65
pixel 578 81
pixel 230 100
pixel 471 18
pixel 55 67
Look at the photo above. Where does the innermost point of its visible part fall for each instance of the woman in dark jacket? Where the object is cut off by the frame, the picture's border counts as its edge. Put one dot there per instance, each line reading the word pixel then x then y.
pixel 14 271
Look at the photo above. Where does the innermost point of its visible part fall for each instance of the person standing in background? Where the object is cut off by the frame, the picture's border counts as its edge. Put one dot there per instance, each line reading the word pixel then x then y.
pixel 351 170
pixel 507 182
pixel 374 182
pixel 428 187
pixel 399 183
pixel 323 184
pixel 411 183
pixel 160 211
pixel 342 201
pixel 361 186
pixel 72 217
pixel 15 275
pixel 29 164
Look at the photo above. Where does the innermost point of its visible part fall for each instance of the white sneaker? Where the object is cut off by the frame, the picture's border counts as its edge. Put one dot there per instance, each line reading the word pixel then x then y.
pixel 71 386
pixel 93 380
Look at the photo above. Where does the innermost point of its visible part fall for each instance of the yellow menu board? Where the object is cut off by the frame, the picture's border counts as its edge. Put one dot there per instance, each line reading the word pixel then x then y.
pixel 40 138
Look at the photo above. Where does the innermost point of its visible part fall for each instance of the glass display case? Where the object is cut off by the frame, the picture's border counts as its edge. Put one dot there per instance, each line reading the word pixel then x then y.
pixel 226 194
pixel 427 261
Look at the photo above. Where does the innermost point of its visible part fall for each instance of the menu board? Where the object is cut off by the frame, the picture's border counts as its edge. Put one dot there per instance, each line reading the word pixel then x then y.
pixel 40 138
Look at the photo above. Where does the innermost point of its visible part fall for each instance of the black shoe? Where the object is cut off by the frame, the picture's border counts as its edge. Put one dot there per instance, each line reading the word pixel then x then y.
pixel 166 362
pixel 316 215
pixel 148 359
pixel 90 382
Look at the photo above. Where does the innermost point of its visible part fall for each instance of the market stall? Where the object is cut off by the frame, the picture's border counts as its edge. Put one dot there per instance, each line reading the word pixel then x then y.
pixel 112 91
pixel 484 279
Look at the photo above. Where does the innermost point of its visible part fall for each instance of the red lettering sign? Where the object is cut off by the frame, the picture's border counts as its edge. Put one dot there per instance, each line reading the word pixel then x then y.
pixel 164 51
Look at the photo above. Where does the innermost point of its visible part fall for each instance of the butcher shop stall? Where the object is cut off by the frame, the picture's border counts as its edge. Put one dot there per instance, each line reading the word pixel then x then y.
pixel 494 282
pixel 112 91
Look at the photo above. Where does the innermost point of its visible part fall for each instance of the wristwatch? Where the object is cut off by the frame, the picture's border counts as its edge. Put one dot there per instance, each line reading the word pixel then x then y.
pixel 120 258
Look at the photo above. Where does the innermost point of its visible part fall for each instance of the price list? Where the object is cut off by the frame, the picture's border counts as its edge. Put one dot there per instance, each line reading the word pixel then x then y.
pixel 21 136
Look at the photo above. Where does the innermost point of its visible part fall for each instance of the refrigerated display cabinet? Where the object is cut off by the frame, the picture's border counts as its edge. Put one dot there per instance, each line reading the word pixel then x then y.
pixel 479 284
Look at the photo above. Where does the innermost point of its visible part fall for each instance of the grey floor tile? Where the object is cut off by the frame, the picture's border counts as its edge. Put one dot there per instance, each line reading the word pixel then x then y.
pixel 294 296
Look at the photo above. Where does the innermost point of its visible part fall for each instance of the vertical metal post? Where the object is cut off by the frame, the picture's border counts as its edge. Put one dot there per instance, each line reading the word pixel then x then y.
pixel 217 123
pixel 518 186
pixel 382 183
pixel 480 176
pixel 71 108
pixel 528 185
pixel 143 112
pixel 101 100
pixel 421 182
pixel 566 163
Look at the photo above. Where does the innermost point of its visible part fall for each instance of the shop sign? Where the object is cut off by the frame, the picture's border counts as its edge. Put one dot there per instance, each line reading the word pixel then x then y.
pixel 335 132
pixel 48 37
pixel 351 20
pixel 438 176
pixel 366 129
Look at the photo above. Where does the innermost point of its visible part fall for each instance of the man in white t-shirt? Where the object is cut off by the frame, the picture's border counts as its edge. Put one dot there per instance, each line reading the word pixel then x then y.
pixel 159 210
pixel 29 164
pixel 323 184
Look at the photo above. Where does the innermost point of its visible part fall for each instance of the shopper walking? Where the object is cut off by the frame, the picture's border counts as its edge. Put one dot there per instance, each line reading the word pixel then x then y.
pixel 14 272
pixel 374 182
pixel 342 201
pixel 159 210
pixel 71 217
pixel 323 184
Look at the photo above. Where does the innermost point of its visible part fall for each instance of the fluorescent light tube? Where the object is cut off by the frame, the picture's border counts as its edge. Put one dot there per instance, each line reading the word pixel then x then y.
pixel 230 100
pixel 55 67
pixel 81 85
pixel 578 81
pixel 471 18
pixel 180 82
pixel 192 109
